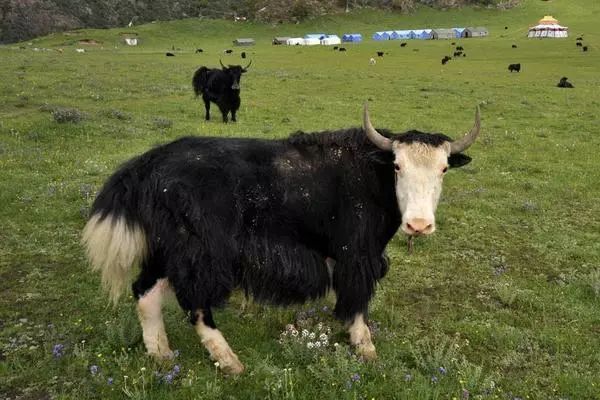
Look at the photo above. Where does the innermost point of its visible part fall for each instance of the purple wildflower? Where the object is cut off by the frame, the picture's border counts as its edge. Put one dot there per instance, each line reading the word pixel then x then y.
pixel 443 370
pixel 407 377
pixel 169 378
pixel 434 379
pixel 465 394
pixel 110 381
pixel 176 353
pixel 355 377
pixel 94 369
pixel 325 309
pixel 57 350
pixel 176 369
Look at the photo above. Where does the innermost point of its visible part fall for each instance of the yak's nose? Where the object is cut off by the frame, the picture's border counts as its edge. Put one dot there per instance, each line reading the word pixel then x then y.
pixel 419 226
pixel 235 86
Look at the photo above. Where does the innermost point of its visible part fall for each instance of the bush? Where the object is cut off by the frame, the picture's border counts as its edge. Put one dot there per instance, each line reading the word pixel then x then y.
pixel 63 115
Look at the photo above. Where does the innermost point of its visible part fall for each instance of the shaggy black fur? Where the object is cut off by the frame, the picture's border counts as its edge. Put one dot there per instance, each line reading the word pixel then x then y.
pixel 263 215
pixel 221 86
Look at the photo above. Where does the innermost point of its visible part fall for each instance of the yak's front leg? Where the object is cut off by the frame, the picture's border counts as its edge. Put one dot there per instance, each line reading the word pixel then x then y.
pixel 215 343
pixel 360 337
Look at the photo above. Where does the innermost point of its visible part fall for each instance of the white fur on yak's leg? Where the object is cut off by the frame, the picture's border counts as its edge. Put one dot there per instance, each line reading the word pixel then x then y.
pixel 360 337
pixel 218 348
pixel 149 309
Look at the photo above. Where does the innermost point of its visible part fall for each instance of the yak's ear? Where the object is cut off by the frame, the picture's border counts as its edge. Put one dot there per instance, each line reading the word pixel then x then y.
pixel 382 157
pixel 458 160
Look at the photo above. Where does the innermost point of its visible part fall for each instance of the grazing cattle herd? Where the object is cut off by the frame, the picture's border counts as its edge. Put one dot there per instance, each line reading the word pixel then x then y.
pixel 286 220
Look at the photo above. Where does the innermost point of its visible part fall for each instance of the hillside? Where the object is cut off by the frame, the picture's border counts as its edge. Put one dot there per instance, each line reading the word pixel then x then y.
pixel 22 20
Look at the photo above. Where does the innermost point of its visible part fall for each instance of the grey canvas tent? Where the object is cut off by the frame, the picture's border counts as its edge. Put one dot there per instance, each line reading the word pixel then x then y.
pixel 442 34
pixel 244 42
pixel 479 31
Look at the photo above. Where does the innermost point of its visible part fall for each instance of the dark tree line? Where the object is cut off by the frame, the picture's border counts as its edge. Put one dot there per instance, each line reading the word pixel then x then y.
pixel 26 19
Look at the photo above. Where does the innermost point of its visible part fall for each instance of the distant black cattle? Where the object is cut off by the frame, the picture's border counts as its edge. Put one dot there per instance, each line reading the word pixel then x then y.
pixel 199 51
pixel 585 48
pixel 402 44
pixel 243 54
pixel 335 48
pixel 228 51
pixel 464 54
pixel 380 54
pixel 221 86
pixel 342 49
pixel 446 59
pixel 564 83
pixel 459 48
pixel 514 46
pixel 506 27
pixel 579 38
pixel 514 67
pixel 453 43
pixel 457 53
pixel 578 44
pixel 170 54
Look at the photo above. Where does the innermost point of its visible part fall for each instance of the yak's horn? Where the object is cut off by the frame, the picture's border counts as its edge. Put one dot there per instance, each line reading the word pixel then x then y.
pixel 467 140
pixel 377 138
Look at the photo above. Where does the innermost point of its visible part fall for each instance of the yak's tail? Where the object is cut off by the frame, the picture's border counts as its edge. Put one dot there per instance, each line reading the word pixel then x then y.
pixel 113 246
pixel 199 80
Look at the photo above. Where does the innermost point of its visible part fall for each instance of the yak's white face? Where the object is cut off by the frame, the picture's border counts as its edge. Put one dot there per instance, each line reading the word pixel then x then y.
pixel 420 163
pixel 420 170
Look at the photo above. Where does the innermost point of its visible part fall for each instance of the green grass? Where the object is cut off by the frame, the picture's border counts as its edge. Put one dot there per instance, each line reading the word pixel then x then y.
pixel 505 296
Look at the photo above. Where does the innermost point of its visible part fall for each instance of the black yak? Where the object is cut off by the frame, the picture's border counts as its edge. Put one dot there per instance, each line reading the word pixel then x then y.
pixel 380 54
pixel 564 83
pixel 286 220
pixel 403 44
pixel 168 54
pixel 514 46
pixel 221 86
pixel 514 67
pixel 578 44
pixel 199 50
pixel 342 49
pixel 243 55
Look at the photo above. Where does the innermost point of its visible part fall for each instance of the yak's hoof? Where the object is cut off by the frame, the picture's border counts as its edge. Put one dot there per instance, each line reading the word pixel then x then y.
pixel 163 355
pixel 367 352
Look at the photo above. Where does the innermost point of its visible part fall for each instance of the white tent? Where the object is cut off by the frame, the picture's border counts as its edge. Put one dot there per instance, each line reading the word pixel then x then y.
pixel 295 41
pixel 330 40
pixel 548 31
pixel 311 41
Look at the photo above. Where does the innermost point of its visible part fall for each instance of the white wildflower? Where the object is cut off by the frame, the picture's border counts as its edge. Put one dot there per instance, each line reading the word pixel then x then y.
pixel 323 337
pixel 317 344
pixel 310 345
pixel 312 336
pixel 305 333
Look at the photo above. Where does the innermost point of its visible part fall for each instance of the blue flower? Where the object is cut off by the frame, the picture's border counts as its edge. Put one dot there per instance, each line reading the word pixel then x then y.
pixel 355 377
pixel 110 381
pixel 465 394
pixel 176 353
pixel 169 378
pixel 434 379
pixel 443 370
pixel 176 369
pixel 57 350
pixel 94 369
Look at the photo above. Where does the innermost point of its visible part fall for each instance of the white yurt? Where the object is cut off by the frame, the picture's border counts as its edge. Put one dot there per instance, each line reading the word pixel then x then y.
pixel 548 27
pixel 331 40
pixel 296 41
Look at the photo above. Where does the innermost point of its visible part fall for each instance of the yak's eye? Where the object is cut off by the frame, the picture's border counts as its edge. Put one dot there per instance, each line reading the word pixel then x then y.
pixel 445 170
pixel 397 167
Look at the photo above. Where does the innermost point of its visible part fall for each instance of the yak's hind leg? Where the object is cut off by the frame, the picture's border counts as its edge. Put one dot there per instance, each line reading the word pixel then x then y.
pixel 216 344
pixel 149 308
pixel 360 337
pixel 206 107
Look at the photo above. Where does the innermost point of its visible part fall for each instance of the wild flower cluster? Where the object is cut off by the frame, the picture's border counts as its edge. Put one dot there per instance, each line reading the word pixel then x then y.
pixel 315 339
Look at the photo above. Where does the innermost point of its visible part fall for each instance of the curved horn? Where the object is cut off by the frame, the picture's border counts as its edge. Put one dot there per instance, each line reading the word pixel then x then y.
pixel 375 137
pixel 462 144
pixel 248 66
pixel 221 62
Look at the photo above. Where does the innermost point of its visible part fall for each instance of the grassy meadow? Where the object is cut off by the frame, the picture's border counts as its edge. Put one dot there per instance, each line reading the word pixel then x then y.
pixel 502 302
